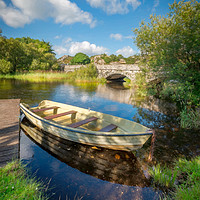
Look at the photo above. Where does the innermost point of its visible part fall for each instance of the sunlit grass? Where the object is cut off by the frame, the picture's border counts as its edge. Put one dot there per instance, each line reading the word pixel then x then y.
pixel 37 76
pixel 183 179
pixel 16 184
pixel 52 76
pixel 164 176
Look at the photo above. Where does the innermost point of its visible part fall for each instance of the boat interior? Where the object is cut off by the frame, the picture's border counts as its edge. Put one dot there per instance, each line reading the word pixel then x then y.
pixel 72 119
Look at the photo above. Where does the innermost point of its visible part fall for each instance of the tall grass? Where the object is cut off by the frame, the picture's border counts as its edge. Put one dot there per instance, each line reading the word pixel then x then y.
pixel 84 74
pixel 164 176
pixel 16 184
pixel 183 179
pixel 37 76
pixel 190 118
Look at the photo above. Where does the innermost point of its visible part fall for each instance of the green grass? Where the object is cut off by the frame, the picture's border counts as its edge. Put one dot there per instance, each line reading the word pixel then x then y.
pixel 183 179
pixel 163 176
pixel 84 74
pixel 190 118
pixel 16 184
pixel 37 76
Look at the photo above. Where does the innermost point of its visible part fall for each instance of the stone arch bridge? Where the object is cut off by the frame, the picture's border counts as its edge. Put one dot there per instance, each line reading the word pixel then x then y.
pixel 111 72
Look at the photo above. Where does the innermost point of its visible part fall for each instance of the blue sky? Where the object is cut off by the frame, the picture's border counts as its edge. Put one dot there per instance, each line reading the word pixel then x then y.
pixel 71 26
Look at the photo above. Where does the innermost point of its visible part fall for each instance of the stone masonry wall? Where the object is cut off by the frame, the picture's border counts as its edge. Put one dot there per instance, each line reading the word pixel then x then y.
pixel 129 70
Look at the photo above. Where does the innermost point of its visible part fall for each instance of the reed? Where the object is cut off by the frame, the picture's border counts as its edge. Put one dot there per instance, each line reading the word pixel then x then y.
pixel 84 74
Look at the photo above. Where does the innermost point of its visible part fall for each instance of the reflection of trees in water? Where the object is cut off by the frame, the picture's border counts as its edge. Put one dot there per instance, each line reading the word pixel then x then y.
pixel 155 104
pixel 28 92
pixel 85 86
pixel 171 142
pixel 154 119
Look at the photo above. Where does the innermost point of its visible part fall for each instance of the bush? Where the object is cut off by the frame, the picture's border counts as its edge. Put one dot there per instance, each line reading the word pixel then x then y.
pixel 80 58
pixel 55 67
pixel 6 67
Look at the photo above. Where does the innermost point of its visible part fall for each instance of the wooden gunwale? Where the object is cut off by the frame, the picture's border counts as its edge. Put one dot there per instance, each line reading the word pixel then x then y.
pixel 96 133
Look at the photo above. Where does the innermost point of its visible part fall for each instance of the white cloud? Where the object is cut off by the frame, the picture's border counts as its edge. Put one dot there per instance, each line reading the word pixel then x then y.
pixel 86 47
pixel 59 50
pixel 23 12
pixel 115 6
pixel 116 36
pixel 68 40
pixel 126 51
pixel 57 37
pixel 155 5
pixel 72 48
pixel 128 37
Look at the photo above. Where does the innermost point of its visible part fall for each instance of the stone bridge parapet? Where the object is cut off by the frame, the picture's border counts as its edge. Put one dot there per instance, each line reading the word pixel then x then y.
pixel 105 71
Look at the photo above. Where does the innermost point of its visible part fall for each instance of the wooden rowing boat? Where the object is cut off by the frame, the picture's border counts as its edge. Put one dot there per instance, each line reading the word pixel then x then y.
pixel 120 167
pixel 86 126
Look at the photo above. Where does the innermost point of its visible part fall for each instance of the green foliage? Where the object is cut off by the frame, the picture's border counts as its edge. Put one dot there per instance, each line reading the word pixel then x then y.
pixel 166 41
pixel 5 66
pixel 170 50
pixel 55 67
pixel 27 54
pixel 140 85
pixel 184 178
pixel 80 58
pixel 164 176
pixel 35 64
pixel 130 60
pixel 15 183
pixel 87 73
pixel 111 58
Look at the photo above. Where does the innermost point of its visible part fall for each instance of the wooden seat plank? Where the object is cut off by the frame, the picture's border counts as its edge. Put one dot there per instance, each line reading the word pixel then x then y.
pixel 60 114
pixel 108 128
pixel 80 123
pixel 44 109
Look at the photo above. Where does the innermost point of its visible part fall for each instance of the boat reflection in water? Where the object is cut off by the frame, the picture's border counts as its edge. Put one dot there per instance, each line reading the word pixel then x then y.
pixel 114 166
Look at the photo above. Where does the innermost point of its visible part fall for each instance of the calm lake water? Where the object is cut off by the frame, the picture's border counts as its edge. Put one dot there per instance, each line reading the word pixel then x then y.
pixel 102 174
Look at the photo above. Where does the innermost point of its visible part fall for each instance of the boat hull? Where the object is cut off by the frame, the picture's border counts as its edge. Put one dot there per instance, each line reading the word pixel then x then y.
pixel 116 141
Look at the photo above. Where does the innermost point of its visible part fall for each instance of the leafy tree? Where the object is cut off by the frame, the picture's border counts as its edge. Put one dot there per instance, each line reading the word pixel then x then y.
pixel 80 58
pixel 5 66
pixel 56 67
pixel 170 47
pixel 35 65
pixel 130 60
pixel 27 54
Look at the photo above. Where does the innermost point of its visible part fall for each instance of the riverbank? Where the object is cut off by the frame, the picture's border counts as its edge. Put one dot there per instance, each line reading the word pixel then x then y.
pixel 51 76
pixel 15 183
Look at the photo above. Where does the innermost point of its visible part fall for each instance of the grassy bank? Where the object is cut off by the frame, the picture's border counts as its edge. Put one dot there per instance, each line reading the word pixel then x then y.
pixel 182 181
pixel 36 76
pixel 84 74
pixel 16 184
pixel 49 76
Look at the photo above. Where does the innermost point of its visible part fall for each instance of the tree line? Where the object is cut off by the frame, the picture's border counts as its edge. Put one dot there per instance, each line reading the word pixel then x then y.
pixel 26 54
pixel 81 58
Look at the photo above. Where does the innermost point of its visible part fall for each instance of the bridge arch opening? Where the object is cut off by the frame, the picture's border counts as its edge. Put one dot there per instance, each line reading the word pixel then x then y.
pixel 116 77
